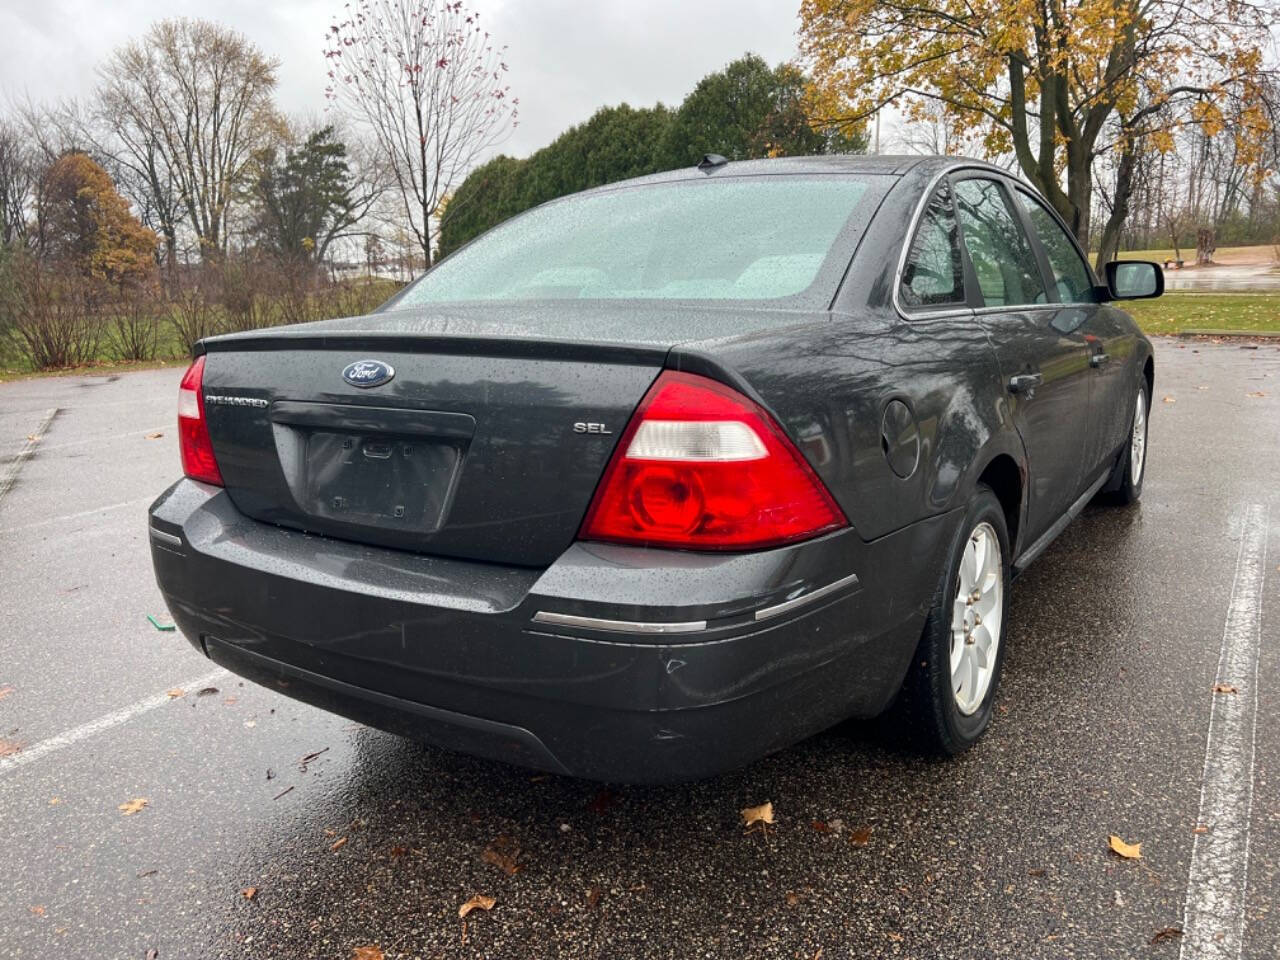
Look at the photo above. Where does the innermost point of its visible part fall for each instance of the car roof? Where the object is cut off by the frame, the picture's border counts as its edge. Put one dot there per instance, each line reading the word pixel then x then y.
pixel 880 165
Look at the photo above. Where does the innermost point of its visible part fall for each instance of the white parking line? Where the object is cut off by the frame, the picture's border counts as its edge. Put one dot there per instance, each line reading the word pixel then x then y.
pixel 75 516
pixel 108 438
pixel 10 475
pixel 105 722
pixel 1214 915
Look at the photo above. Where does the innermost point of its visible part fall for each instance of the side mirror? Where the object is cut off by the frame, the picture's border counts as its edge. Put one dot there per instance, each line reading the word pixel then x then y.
pixel 1134 279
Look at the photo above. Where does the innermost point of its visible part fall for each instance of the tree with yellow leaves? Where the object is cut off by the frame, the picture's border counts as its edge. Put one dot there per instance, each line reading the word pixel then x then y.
pixel 1054 83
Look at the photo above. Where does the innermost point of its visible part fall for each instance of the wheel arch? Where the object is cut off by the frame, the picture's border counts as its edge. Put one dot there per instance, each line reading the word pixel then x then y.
pixel 1007 480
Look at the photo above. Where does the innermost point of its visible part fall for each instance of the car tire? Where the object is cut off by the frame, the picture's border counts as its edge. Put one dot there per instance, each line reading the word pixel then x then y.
pixel 942 715
pixel 1124 486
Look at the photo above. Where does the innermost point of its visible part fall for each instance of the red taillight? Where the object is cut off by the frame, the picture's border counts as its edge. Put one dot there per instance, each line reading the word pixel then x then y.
pixel 198 461
pixel 702 467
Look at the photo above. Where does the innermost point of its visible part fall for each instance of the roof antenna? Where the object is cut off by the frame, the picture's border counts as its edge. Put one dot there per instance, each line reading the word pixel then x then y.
pixel 711 161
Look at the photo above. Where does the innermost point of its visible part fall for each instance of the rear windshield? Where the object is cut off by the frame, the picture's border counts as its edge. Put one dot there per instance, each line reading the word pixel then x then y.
pixel 774 238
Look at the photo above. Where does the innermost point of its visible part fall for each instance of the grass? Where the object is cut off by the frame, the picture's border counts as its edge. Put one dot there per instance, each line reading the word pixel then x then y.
pixel 1179 312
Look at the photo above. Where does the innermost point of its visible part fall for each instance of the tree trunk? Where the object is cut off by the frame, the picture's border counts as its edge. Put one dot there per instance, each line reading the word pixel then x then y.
pixel 1110 242
pixel 1206 246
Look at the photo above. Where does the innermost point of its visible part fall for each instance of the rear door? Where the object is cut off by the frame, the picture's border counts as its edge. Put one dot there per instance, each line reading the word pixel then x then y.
pixel 1044 360
pixel 1109 336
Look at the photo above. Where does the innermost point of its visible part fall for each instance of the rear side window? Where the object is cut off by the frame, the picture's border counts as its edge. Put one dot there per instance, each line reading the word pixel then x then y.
pixel 1070 275
pixel 729 238
pixel 1008 273
pixel 933 275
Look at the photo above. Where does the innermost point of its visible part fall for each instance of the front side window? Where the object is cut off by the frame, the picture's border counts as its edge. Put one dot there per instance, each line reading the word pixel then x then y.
pixel 1008 274
pixel 1070 275
pixel 933 275
pixel 732 238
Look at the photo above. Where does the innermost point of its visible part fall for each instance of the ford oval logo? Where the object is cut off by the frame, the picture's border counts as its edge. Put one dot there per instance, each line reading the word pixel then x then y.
pixel 368 373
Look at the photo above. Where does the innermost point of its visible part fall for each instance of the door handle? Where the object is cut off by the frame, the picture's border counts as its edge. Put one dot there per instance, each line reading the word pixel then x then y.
pixel 1098 359
pixel 1025 382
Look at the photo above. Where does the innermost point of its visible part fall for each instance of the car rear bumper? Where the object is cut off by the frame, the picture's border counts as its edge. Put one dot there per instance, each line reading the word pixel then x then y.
pixel 614 663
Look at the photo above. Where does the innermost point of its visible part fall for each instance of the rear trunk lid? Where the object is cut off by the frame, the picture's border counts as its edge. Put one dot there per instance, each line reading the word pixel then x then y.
pixel 480 446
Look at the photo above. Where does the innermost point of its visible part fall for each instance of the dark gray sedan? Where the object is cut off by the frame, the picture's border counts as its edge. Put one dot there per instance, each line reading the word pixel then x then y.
pixel 655 479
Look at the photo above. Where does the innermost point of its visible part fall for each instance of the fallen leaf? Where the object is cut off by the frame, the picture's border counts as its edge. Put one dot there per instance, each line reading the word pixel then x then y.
pixel 1130 851
pixel 338 844
pixel 1225 688
pixel 503 853
pixel 479 901
pixel 793 899
pixel 1167 934
pixel 206 691
pixel 6 690
pixel 820 826
pixel 249 892
pixel 593 897
pixel 1169 400
pixel 175 693
pixel 762 814
pixel 8 747
pixel 155 436
pixel 1036 872
pixel 130 807
pixel 1256 393
pixel 37 910
pixel 860 837
pixel 367 953
pixel 398 851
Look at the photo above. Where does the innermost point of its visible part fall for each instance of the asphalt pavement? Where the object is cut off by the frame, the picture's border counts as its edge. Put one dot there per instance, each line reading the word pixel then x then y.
pixel 273 830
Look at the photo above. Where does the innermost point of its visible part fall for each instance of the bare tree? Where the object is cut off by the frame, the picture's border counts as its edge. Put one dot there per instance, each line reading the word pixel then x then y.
pixel 188 104
pixel 17 177
pixel 428 83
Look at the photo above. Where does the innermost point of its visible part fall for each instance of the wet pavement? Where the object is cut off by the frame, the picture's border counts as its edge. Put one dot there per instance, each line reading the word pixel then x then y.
pixel 1225 278
pixel 1103 717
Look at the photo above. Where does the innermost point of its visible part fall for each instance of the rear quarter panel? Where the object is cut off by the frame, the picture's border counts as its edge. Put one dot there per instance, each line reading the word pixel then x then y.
pixel 830 382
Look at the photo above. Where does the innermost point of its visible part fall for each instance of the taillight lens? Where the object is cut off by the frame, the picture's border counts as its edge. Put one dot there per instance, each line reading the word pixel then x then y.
pixel 198 461
pixel 702 467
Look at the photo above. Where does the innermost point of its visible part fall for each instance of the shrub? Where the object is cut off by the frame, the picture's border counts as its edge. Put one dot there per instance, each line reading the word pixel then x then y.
pixel 193 311
pixel 135 325
pixel 53 314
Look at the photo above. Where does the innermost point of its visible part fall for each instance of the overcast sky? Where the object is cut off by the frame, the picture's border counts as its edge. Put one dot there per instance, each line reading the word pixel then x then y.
pixel 567 57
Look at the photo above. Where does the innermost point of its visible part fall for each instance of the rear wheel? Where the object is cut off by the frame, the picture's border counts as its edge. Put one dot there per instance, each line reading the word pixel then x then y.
pixel 1126 483
pixel 948 694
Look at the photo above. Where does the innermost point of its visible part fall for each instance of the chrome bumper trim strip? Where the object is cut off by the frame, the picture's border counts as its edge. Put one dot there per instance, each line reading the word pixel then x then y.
pixel 787 606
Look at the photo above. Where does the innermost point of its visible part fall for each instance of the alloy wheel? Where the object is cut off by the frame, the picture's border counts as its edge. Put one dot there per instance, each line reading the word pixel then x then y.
pixel 976 619
pixel 1138 439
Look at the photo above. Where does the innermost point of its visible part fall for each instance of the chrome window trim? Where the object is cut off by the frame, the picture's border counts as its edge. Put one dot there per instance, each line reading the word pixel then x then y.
pixel 921 205
pixel 618 626
pixel 786 606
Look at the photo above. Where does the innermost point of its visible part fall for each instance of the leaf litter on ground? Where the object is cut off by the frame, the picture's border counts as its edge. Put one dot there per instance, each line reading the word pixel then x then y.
pixel 1130 851
pixel 478 902
pixel 761 815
